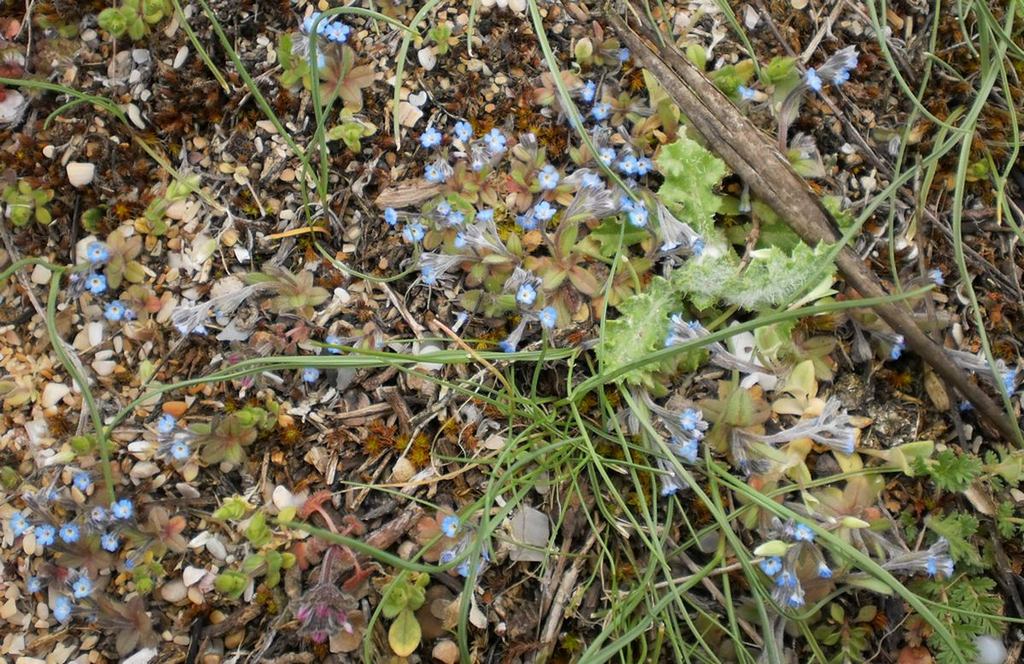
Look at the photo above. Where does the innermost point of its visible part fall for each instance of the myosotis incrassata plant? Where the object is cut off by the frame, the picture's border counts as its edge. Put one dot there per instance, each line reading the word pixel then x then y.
pixel 538 245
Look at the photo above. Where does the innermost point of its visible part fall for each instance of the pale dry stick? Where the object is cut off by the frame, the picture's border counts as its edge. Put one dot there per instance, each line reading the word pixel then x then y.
pixel 556 613
pixel 438 325
pixel 720 597
pixel 825 29
pixel 416 328
pixel 752 155
pixel 689 577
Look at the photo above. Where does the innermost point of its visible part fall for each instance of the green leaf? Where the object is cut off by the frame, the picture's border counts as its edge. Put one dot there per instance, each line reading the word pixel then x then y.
pixel 257 531
pixel 252 564
pixel 233 508
pixel 872 584
pixel 772 548
pixel 231 583
pixel 404 634
pixel 113 21
pixel 691 174
pixel 958 528
pixel 639 331
pixel 952 472
pixel 608 233
pixel 394 601
pixel 274 562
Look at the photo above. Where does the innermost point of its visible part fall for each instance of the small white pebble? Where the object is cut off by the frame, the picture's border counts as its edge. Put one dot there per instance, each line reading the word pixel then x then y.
pixel 173 591
pixel 180 57
pixel 80 173
pixel 990 650
pixel 40 275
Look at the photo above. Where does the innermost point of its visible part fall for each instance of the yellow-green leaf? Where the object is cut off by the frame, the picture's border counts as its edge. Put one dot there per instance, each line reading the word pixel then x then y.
pixel 404 634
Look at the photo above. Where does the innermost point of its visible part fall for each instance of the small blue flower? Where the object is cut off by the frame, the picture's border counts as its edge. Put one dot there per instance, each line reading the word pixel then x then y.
pixel 455 218
pixel 434 174
pixel 443 208
pixel 19 524
pixel 82 481
pixel 334 340
pixel 527 222
pixel 110 542
pixel 81 587
pixel 548 177
pixel 771 566
pixel 812 79
pixel 486 215
pixel 526 295
pixel 589 92
pixel 390 216
pixel 429 275
pixel 803 533
pixel 544 211
pixel 430 138
pixel 122 509
pixel 495 141
pixel 460 241
pixel 463 568
pixel 591 181
pixel 130 563
pixel 310 375
pixel 62 608
pixel 337 32
pixel 508 345
pixel 897 348
pixel 45 535
pixel 180 450
pixel 638 215
pixel 606 155
pixel 450 525
pixel 623 54
pixel 689 419
pixel 34 584
pixel 70 533
pixel 307 23
pixel 842 76
pixel 824 571
pixel 697 247
pixel 96 284
pixel 787 579
pixel 447 556
pixel 601 111
pixel 166 424
pixel 548 317
pixel 98 514
pixel 463 131
pixel 747 94
pixel 628 164
pixel 115 311
pixel 413 233
pixel 935 565
pixel 669 487
pixel 644 166
pixel 97 252
pixel 795 599
pixel 688 450
pixel 937 277
pixel 1010 380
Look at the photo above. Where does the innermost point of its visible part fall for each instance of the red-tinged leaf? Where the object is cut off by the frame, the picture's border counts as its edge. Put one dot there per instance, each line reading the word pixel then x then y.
pixel 584 282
